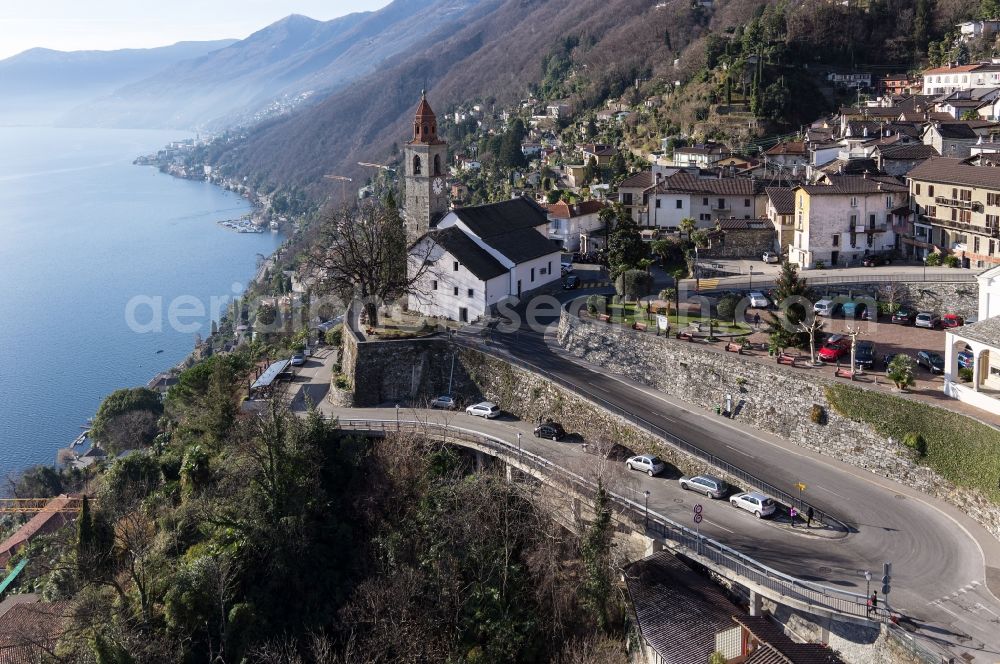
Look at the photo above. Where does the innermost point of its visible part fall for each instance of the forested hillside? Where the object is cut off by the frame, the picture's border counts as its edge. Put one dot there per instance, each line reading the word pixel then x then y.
pixel 589 51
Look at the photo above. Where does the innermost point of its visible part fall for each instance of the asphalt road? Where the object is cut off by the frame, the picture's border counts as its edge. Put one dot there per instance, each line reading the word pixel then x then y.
pixel 939 573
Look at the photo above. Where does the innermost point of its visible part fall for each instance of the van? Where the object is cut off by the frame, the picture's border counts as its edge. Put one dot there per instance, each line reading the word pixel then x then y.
pixel 825 307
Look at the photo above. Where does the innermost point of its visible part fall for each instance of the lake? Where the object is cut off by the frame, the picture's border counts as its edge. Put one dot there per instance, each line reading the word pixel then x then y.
pixel 85 239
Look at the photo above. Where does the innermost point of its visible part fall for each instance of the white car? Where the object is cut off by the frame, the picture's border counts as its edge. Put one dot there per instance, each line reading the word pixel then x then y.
pixel 566 268
pixel 444 401
pixel 758 301
pixel 771 257
pixel 486 409
pixel 756 503
pixel 824 308
pixel 647 463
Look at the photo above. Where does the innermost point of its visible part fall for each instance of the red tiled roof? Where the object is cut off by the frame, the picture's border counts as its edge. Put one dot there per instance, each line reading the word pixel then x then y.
pixel 955 171
pixel 27 630
pixel 640 180
pixel 788 147
pixel 765 631
pixel 685 182
pixel 961 69
pixel 41 522
pixel 563 210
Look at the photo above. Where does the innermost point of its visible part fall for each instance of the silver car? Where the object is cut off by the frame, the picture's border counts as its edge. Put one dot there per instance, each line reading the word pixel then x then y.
pixel 444 401
pixel 928 320
pixel 647 463
pixel 712 487
pixel 756 503
pixel 486 409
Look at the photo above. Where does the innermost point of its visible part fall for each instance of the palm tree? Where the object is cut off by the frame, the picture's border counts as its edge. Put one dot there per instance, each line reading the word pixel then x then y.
pixel 688 225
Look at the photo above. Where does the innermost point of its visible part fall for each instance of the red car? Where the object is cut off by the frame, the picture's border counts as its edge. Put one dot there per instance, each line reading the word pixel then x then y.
pixel 835 348
pixel 952 320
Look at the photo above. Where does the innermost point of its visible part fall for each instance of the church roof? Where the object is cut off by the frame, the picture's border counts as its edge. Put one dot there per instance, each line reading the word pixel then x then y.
pixel 424 111
pixel 476 260
pixel 510 227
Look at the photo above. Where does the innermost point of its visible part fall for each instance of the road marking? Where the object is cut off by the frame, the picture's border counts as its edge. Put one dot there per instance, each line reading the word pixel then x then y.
pixel 739 451
pixel 986 608
pixel 816 486
pixel 718 525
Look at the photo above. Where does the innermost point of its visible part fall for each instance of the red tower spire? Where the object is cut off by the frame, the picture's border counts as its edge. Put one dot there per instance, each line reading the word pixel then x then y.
pixel 424 122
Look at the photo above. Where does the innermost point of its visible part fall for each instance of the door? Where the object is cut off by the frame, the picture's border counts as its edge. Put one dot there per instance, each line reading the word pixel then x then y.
pixel 519 288
pixel 834 257
pixel 463 315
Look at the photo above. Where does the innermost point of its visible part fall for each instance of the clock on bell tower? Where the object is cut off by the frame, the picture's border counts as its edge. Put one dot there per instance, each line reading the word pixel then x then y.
pixel 425 173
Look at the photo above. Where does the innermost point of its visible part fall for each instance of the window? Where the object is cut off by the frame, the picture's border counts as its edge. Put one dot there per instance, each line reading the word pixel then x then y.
pixel 975 244
pixel 916 189
pixel 627 199
pixel 931 210
pixel 549 271
pixel 965 216
pixel 722 203
pixel 871 221
pixel 992 247
pixel 434 285
pixel 705 216
pixel 965 195
pixel 854 220
pixel 930 190
pixel 532 274
pixel 657 203
pixel 680 204
pixel 888 202
pixel 954 214
pixel 472 293
pixel 993 199
pixel 437 164
pixel 704 201
pixel 836 240
pixel 954 192
pixel 992 221
pixel 455 266
pixel 456 291
pixel 854 201
pixel 746 202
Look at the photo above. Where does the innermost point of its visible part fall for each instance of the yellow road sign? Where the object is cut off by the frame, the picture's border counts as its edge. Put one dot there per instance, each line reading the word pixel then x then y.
pixel 801 486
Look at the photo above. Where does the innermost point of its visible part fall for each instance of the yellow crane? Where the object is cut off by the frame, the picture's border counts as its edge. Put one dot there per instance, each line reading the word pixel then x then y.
pixel 36 505
pixel 343 183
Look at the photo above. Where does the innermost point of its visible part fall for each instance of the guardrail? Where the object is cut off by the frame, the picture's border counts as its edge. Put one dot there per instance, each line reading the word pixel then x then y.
pixel 744 281
pixel 751 480
pixel 699 546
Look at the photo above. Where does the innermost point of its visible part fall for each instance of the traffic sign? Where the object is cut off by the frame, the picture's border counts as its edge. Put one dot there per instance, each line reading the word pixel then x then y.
pixel 697 508
pixel 697 518
pixel 800 486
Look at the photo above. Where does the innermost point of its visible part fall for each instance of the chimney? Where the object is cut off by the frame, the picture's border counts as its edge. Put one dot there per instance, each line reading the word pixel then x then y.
pixel 865 174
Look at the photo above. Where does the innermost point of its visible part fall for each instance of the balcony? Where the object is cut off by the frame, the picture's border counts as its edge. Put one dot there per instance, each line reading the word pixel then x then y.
pixel 989 231
pixel 956 203
pixel 861 228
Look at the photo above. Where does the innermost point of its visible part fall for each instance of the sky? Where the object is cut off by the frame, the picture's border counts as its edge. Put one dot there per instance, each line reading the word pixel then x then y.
pixel 71 25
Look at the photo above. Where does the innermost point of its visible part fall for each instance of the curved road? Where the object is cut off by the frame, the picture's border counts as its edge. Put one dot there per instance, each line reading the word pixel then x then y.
pixel 939 575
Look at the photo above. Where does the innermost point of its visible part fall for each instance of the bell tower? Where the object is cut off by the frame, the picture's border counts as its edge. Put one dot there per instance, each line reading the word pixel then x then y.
pixel 425 171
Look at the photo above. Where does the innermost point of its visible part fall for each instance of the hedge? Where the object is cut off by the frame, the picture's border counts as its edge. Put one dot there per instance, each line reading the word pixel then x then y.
pixel 959 448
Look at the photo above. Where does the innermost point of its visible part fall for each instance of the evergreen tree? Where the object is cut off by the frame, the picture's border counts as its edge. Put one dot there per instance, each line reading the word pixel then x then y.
pixel 921 25
pixel 989 9
pixel 625 246
pixel 84 531
pixel 596 552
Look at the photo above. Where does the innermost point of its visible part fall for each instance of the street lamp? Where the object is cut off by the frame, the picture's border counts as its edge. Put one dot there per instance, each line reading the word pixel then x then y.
pixel 647 509
pixel 868 583
pixel 397 418
pixel 751 277
pixel 518 444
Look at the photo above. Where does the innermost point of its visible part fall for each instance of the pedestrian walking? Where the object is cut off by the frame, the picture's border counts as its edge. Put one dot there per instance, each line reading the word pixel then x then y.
pixel 756 321
pixel 873 603
pixel 792 513
pixel 809 517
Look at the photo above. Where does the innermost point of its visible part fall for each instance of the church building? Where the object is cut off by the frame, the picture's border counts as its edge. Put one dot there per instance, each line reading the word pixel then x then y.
pixel 474 257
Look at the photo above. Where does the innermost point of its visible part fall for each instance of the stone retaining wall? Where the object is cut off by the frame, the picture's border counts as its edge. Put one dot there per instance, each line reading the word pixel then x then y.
pixel 960 298
pixel 770 397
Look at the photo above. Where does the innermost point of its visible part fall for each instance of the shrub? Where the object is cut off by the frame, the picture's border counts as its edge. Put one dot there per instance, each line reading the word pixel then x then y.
pixel 817 415
pixel 916 442
pixel 965 374
pixel 933 260
pixel 820 265
pixel 595 304
pixel 341 382
pixel 951 261
pixel 335 335
pixel 900 371
pixel 727 305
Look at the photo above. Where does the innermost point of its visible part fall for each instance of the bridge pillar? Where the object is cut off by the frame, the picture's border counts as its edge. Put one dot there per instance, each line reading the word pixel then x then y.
pixel 577 510
pixel 652 546
pixel 480 462
pixel 756 604
pixel 510 473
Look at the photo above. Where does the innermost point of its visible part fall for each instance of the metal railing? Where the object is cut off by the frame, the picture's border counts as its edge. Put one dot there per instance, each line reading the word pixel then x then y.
pixel 672 439
pixel 701 548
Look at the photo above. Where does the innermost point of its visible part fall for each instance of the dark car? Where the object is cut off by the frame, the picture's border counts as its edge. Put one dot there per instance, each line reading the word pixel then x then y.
pixel 864 354
pixel 966 359
pixel 931 361
pixel 552 430
pixel 904 316
pixel 571 282
pixel 875 260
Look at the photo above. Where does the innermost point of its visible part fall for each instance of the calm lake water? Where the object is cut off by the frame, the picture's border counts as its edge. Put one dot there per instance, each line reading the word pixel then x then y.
pixel 82 233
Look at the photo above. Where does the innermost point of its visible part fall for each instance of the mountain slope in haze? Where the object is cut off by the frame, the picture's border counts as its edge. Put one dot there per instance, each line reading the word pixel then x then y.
pixel 40 84
pixel 496 55
pixel 282 61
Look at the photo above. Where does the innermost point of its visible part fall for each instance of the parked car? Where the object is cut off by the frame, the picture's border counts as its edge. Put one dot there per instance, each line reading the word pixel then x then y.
pixel 648 464
pixel 566 267
pixel 298 359
pixel 864 354
pixel 551 430
pixel 571 282
pixel 966 359
pixel 876 260
pixel 444 402
pixel 931 361
pixel 712 487
pixel 928 320
pixel 836 347
pixel 486 409
pixel 771 257
pixel 758 301
pixel 952 320
pixel 904 316
pixel 887 360
pixel 825 307
pixel 756 503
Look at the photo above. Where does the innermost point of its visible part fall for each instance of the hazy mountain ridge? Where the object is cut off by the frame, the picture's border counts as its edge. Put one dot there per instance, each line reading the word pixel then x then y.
pixel 39 84
pixel 290 57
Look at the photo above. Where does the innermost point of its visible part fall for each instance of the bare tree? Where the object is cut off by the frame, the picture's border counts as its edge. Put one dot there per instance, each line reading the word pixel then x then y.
pixel 811 327
pixel 362 254
pixel 892 293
